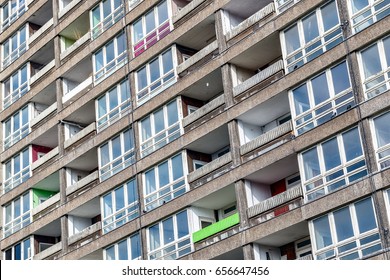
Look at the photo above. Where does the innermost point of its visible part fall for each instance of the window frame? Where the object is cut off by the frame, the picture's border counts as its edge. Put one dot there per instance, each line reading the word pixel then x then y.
pixel 129 247
pixel 301 55
pixel 159 196
pixel 383 149
pixel 21 48
pixel 16 179
pixel 23 131
pixel 382 59
pixel 146 93
pixel 22 89
pixel 30 251
pixel 319 185
pixel 129 212
pixel 108 21
pixel 25 217
pixel 126 158
pixel 12 16
pixel 150 145
pixel 122 109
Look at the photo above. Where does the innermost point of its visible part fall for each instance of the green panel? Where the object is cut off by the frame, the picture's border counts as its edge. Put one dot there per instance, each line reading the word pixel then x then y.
pixel 37 194
pixel 216 227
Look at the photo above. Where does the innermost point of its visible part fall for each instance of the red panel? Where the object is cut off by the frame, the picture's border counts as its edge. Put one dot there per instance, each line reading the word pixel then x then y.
pixel 39 149
pixel 281 210
pixel 278 187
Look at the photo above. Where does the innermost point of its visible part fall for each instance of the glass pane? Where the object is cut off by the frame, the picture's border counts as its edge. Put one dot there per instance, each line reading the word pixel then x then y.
pixel 6 50
pixel 119 199
pixel 22 35
pixel 371 61
pixel 102 110
pixel 17 164
pixel 310 27
pixel 154 237
pixel 113 97
pixel 150 181
pixel 182 224
pixel 365 215
pixel 167 61
pixel 18 251
pixel 110 52
pixel 322 232
pixel 125 91
pixel 331 154
pixel 177 167
pixel 357 5
pixel 26 158
pixel 7 128
pixel 116 147
pixel 386 46
pixel 25 116
pixel 159 121
pixel 16 122
pixel 8 213
pixel 110 253
pixel 154 70
pixel 104 155
pixel 330 16
pixel 16 208
pixel 311 164
pixel 163 174
pixel 23 75
pixel 162 12
pixel 292 39
pixel 146 129
pixel 135 247
pixel 26 249
pixel 95 16
pixel 343 223
pixel 128 140
pixel 137 31
pixel 98 60
pixel 26 203
pixel 320 89
pixel 150 21
pixel 173 116
pixel 382 130
pixel 301 99
pixel 122 250
pixel 142 81
pixel 107 205
pixel 340 78
pixel 121 43
pixel 352 145
pixel 168 231
pixel 132 192
pixel 106 8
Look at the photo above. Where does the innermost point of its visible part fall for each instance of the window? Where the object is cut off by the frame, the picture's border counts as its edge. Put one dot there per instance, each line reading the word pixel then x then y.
pixel 155 76
pixel 160 128
pixel 321 98
pixel 120 206
pixel 15 46
pixel 116 154
pixel 104 15
pixel 311 36
pixel 375 68
pixel 151 27
pixel 110 58
pixel 17 127
pixel 164 182
pixel 17 214
pixel 283 5
pixel 382 140
pixel 198 164
pixel 11 11
pixel 170 238
pixel 366 12
pixel 348 233
pixel 17 170
pixel 127 249
pixel 16 86
pixel 332 164
pixel 20 251
pixel 113 105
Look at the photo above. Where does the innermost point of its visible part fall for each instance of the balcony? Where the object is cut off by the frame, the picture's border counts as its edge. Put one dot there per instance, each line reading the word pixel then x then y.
pixel 82 185
pixel 185 12
pixel 67 7
pixel 80 135
pixel 46 207
pixel 82 87
pixel 40 32
pixel 50 253
pixel 283 5
pixel 77 44
pixel 49 111
pixel 44 160
pixel 84 237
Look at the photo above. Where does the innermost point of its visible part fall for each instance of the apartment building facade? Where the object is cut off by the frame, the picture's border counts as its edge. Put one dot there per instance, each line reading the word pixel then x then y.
pixel 195 129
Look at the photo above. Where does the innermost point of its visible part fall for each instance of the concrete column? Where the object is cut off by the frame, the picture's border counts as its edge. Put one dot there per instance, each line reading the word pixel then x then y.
pixel 242 203
pixel 133 90
pixel 130 55
pixel 344 17
pixel 61 139
pixel 227 84
pixel 64 234
pixel 57 51
pixel 368 146
pixel 141 194
pixel 222 45
pixel 59 94
pixel 56 9
pixel 234 140
pixel 144 244
pixel 383 220
pixel 354 73
pixel 63 185
pixel 248 252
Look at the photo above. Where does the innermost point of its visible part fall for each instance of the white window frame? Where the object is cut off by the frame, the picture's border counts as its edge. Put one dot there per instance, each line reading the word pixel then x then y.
pixel 123 108
pixel 318 185
pixel 149 145
pixel 304 250
pixel 20 177
pixel 166 26
pixel 304 56
pixel 386 193
pixel 385 160
pixel 23 131
pixel 283 5
pixel 176 246
pixel 24 219
pixel 146 93
pixel 20 9
pixel 128 242
pixel 377 83
pixel 21 48
pixel 116 165
pixel 199 162
pixel 339 102
pixel 30 251
pixel 168 192
pixel 357 237
pixel 357 23
pixel 22 89
pixel 106 22
pixel 109 67
pixel 117 218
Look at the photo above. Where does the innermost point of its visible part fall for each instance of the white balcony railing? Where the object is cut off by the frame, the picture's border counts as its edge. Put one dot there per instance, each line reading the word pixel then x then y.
pixel 68 96
pixel 45 158
pixel 82 183
pixel 42 72
pixel 282 5
pixel 120 217
pixel 15 54
pixel 16 94
pixel 85 38
pixel 68 7
pixel 197 57
pixel 134 3
pixel 14 15
pixel 16 224
pixel 80 135
pixel 172 250
pixel 95 228
pixel 210 167
pixel 40 31
pixel 46 204
pixel 186 10
pixel 16 179
pixel 45 113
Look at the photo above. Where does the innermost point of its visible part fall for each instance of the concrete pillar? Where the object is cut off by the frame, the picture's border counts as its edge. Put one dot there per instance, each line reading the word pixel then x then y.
pixel 248 252
pixel 56 9
pixel 383 220
pixel 144 244
pixel 227 85
pixel 133 90
pixel 63 185
pixel 57 51
pixel 64 234
pixel 130 55
pixel 59 94
pixel 368 145
pixel 242 203
pixel 344 17
pixel 354 72
pixel 222 45
pixel 234 140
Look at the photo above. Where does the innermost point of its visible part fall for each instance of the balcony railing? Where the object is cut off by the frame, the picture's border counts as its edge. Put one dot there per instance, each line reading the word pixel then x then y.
pixel 370 14
pixel 134 3
pixel 260 15
pixel 278 200
pixel 110 68
pixel 44 114
pixel 81 186
pixel 210 167
pixel 79 88
pixel 16 94
pixel 259 77
pixel 120 217
pixel 308 257
pixel 216 228
pixel 15 54
pixel 16 224
pixel 377 84
pixel 114 115
pixel 200 55
pixel 46 207
pixel 107 22
pixel 17 135
pixel 173 250
pixel 49 252
pixel 186 10
pixel 85 236
pixel 85 38
pixel 40 31
pixel 80 135
pixel 68 7
pixel 45 158
pixel 42 72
